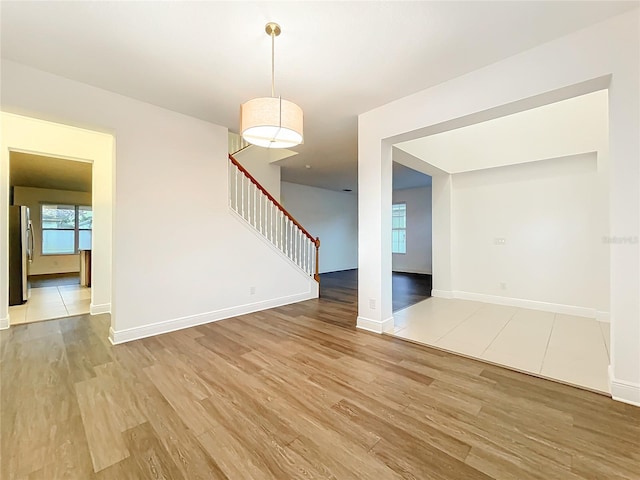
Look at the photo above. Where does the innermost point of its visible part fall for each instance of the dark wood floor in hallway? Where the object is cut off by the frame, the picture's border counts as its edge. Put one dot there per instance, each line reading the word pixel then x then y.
pixel 290 393
pixel 407 288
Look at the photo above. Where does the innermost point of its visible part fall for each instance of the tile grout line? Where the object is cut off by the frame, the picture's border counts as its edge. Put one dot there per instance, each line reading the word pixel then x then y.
pixel 544 357
pixel 604 339
pixel 458 324
pixel 63 302
pixel 500 331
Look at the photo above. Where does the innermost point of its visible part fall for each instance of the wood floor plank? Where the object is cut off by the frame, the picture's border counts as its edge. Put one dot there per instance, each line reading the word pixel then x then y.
pixel 169 382
pixel 98 405
pixel 152 459
pixel 264 449
pixel 289 393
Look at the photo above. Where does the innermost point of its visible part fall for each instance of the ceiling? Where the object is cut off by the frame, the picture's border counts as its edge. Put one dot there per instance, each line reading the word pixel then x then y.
pixel 334 59
pixel 27 170
pixel 569 127
pixel 405 177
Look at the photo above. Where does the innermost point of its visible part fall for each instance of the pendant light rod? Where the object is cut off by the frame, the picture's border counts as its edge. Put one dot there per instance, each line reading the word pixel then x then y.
pixel 271 122
pixel 273 30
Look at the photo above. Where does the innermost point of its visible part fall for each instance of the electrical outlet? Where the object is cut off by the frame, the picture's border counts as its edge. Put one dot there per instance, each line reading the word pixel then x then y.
pixel 372 303
pixel 252 290
pixel 499 241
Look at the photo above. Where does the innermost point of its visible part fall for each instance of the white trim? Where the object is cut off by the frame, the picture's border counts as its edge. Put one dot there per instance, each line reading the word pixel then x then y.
pixel 442 293
pixel 625 392
pixel 4 323
pixel 166 326
pixel 100 308
pixel 408 270
pixel 375 326
pixel 518 302
pixel 603 316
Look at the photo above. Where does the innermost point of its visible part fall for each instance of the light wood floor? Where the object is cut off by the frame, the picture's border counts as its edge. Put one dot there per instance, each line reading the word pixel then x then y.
pixel 290 393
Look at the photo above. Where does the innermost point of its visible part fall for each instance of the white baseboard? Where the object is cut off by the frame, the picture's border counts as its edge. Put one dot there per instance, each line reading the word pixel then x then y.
pixel 100 308
pixel 127 335
pixel 408 270
pixel 518 302
pixel 375 326
pixel 4 323
pixel 603 316
pixel 442 293
pixel 622 391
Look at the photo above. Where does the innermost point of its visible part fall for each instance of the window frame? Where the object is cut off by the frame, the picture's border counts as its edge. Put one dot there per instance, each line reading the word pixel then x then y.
pixel 394 229
pixel 76 228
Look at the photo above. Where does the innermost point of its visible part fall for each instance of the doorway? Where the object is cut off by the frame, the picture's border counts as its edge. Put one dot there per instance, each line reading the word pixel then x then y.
pixel 57 195
pixel 411 243
pixel 26 135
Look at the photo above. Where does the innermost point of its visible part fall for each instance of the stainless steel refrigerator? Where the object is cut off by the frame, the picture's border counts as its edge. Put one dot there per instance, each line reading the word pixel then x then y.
pixel 20 253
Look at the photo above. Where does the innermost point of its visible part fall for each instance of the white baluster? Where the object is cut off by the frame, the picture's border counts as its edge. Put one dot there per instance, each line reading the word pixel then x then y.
pixel 287 236
pixel 293 242
pixel 262 212
pixel 235 185
pixel 279 228
pixel 255 206
pixel 242 194
pixel 303 246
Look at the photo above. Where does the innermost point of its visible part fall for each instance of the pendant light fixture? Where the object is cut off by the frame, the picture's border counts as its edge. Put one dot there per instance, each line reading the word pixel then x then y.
pixel 271 122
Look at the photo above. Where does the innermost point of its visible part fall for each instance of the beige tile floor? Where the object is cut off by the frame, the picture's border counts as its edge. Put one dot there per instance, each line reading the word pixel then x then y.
pixel 571 349
pixel 52 302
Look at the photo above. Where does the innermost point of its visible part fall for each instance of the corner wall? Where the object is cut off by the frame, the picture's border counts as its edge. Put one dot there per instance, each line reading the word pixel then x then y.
pixel 330 215
pixel 548 215
pixel 418 256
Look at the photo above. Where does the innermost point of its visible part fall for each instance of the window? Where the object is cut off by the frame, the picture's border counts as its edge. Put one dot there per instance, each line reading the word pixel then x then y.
pixel 399 226
pixel 66 229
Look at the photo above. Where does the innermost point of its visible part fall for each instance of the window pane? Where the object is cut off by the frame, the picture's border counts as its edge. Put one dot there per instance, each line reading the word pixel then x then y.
pixel 399 215
pixel 85 218
pixel 402 241
pixel 399 225
pixel 84 240
pixel 58 216
pixel 58 242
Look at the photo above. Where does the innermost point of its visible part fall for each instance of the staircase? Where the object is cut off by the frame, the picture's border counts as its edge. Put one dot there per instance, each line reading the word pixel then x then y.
pixel 267 216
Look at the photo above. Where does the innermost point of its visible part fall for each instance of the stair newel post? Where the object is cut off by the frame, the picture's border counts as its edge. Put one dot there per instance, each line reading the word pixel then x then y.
pixel 316 276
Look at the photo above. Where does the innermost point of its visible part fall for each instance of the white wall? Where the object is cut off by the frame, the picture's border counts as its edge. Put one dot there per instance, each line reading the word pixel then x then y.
pixel 548 214
pixel 330 215
pixel 418 256
pixel 257 161
pixel 34 198
pixel 181 257
pixel 605 55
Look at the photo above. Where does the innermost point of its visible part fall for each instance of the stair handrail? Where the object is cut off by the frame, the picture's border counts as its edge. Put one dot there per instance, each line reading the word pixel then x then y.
pixel 315 240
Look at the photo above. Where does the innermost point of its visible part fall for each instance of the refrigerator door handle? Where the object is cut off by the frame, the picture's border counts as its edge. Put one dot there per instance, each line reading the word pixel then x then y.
pixel 31 243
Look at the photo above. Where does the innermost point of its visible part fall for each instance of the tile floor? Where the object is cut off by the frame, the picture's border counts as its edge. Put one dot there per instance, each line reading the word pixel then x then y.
pixel 571 349
pixel 52 302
